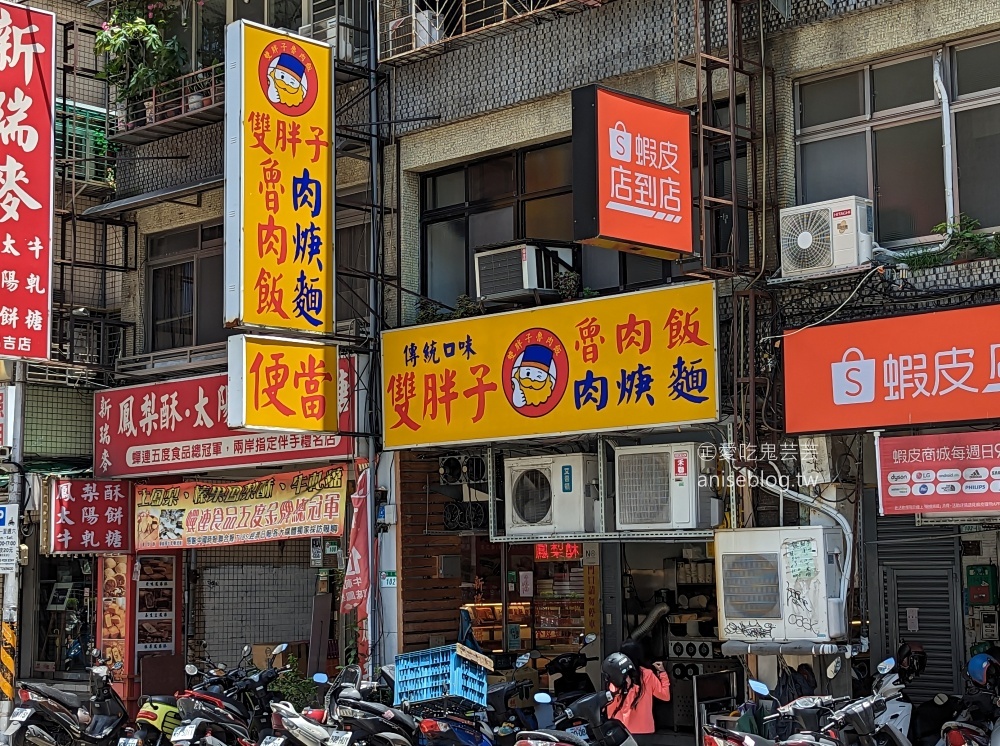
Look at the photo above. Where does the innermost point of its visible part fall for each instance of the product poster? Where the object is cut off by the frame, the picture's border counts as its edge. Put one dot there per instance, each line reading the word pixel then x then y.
pixel 113 619
pixel 280 506
pixel 157 584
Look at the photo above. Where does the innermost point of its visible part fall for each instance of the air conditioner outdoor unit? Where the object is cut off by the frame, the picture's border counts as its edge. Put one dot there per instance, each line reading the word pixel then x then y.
pixel 426 28
pixel 548 495
pixel 826 236
pixel 656 489
pixel 780 584
pixel 519 272
pixel 334 31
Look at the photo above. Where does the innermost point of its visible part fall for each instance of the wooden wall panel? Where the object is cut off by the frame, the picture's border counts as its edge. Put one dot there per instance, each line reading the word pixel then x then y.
pixel 430 605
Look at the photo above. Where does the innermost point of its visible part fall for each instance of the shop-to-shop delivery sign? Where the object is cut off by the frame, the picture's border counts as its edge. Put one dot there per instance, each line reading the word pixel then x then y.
pixel 632 184
pixel 279 181
pixel 203 514
pixel 180 425
pixel 27 117
pixel 10 540
pixel 905 370
pixel 941 473
pixel 89 516
pixel 628 361
pixel 283 384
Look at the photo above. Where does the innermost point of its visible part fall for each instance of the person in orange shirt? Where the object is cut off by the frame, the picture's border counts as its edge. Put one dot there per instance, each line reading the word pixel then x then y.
pixel 634 691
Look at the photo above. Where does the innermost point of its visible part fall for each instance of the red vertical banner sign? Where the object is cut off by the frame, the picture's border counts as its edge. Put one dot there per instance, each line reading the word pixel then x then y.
pixel 27 126
pixel 357 576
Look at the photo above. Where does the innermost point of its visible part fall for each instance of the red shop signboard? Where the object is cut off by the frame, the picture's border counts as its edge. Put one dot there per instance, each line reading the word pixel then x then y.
pixel 90 516
pixel 27 97
pixel 946 473
pixel 180 425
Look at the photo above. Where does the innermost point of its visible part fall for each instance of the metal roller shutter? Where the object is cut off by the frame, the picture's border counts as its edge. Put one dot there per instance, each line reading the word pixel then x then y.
pixel 916 567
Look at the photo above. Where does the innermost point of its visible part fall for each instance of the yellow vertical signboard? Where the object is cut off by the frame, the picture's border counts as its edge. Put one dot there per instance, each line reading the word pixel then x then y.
pixel 279 181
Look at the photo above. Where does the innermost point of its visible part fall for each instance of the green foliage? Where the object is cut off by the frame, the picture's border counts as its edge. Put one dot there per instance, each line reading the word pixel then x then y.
pixel 967 242
pixel 589 293
pixel 429 311
pixel 294 688
pixel 466 306
pixel 567 284
pixel 138 55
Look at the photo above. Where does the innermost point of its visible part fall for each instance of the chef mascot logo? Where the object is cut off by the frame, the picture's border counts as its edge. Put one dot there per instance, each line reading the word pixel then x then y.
pixel 535 372
pixel 288 77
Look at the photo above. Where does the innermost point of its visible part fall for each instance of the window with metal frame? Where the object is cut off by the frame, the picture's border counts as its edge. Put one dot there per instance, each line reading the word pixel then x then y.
pixel 186 287
pixel 875 131
pixel 526 195
pixel 353 248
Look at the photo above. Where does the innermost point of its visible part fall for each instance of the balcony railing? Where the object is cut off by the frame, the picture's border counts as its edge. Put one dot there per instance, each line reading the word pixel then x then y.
pixel 343 24
pixel 169 362
pixel 414 29
pixel 89 341
pixel 178 105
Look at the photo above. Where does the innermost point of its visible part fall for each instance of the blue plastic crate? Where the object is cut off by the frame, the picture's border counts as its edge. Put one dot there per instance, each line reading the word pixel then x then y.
pixel 450 671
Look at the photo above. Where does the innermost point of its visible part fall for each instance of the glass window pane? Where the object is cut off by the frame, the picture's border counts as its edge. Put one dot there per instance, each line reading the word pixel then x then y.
pixel 250 10
pixel 211 289
pixel 977 139
pixel 352 253
pixel 286 14
pixel 172 294
pixel 600 268
pixel 642 269
pixel 832 99
pixel 910 180
pixel 492 179
pixel 488 228
pixel 173 243
pixel 445 190
pixel 446 260
pixel 903 84
pixel 834 168
pixel 977 68
pixel 548 168
pixel 212 47
pixel 549 217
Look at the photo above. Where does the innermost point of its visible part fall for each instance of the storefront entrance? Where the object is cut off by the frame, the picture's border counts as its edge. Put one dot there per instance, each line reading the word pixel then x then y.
pixel 67 603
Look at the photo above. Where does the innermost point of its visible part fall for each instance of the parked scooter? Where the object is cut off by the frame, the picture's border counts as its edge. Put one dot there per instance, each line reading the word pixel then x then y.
pixel 856 719
pixel 240 716
pixel 45 710
pixel 573 681
pixel 159 714
pixel 596 729
pixel 505 719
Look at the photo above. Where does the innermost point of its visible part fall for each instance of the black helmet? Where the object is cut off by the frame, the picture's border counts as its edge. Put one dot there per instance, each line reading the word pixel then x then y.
pixel 619 671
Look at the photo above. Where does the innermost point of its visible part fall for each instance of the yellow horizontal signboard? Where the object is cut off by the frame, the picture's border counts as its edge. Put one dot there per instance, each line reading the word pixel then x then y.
pixel 283 384
pixel 629 361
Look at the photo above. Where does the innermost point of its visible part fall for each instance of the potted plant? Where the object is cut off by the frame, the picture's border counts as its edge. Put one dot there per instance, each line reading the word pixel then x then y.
pixel 138 58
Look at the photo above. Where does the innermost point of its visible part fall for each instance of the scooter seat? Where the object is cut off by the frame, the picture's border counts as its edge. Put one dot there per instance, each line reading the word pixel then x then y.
pixel 163 699
pixel 67 699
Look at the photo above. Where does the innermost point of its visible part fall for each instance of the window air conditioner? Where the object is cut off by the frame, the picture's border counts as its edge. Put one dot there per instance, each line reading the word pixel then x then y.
pixel 518 272
pixel 548 495
pixel 656 489
pixel 825 237
pixel 780 584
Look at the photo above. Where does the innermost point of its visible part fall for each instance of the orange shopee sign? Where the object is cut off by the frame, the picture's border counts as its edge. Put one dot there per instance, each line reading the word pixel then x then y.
pixel 907 370
pixel 632 187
